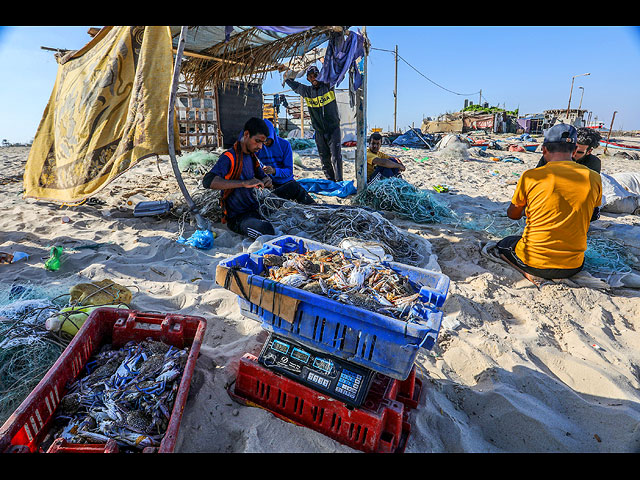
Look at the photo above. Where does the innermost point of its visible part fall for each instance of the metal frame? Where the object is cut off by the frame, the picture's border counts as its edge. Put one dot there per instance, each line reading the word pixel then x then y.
pixel 202 223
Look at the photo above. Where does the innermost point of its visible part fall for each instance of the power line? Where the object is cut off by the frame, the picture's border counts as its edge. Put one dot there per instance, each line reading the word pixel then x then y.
pixel 423 75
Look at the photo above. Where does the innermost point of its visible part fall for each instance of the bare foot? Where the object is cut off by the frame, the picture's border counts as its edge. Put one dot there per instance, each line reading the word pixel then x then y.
pixel 537 281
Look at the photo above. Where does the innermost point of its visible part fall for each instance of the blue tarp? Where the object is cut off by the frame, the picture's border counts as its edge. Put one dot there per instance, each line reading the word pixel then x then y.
pixel 413 138
pixel 327 187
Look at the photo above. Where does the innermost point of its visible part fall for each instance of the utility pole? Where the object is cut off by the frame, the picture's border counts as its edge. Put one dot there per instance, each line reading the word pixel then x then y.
pixel 480 99
pixel 395 95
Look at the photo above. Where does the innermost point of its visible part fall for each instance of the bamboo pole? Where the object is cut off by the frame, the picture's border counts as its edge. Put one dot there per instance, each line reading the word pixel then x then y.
pixel 202 224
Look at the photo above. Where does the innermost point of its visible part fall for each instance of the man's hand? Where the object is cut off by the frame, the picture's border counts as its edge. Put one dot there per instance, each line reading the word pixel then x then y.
pixel 254 183
pixel 515 212
pixel 269 170
pixel 267 182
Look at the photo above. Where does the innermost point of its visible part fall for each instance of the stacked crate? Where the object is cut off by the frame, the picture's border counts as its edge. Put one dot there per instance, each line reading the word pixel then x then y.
pixel 351 335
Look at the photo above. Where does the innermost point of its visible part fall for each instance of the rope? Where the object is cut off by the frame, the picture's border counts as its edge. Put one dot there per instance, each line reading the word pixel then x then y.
pixel 331 224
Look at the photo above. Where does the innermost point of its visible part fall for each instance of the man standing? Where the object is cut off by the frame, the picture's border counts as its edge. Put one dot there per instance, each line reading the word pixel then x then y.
pixel 236 173
pixel 558 200
pixel 323 109
pixel 276 158
pixel 379 164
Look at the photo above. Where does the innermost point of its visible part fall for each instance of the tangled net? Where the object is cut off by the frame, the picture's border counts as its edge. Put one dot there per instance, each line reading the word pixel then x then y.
pixel 27 348
pixel 331 224
pixel 397 195
pixel 606 256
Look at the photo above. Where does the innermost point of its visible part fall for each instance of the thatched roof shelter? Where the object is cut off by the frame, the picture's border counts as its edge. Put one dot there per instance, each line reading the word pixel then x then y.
pixel 215 54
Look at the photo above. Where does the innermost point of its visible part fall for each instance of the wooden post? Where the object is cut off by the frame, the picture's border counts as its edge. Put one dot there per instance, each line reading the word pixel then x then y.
pixel 361 124
pixel 202 224
pixel 301 116
pixel 395 95
pixel 610 128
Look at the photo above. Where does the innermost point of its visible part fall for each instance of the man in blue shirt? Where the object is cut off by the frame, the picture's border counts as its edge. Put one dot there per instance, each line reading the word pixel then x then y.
pixel 237 172
pixel 276 157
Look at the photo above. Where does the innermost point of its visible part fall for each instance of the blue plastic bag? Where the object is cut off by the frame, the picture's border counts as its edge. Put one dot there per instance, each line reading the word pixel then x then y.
pixel 202 239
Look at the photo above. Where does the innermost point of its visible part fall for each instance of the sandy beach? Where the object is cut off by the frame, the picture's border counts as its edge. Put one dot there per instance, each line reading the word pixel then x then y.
pixel 515 368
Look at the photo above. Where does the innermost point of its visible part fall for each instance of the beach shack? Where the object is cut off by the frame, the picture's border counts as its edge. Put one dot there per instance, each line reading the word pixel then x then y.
pixel 114 101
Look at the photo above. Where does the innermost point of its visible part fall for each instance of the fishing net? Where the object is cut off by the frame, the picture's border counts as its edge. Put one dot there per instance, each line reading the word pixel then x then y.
pixel 27 349
pixel 606 256
pixel 399 196
pixel 331 224
pixel 198 161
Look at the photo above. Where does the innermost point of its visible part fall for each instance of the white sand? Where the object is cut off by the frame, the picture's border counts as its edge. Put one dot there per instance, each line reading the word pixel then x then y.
pixel 515 369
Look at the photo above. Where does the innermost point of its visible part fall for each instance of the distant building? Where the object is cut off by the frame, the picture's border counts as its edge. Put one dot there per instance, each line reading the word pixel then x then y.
pixel 575 117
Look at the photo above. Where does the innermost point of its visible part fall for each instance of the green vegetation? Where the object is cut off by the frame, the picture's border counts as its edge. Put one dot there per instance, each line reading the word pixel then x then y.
pixel 481 109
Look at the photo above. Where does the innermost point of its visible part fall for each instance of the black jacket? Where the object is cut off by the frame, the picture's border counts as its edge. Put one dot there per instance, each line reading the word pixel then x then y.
pixel 322 105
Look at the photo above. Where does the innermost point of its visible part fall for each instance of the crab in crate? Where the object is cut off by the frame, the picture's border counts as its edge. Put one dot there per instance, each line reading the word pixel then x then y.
pixel 360 282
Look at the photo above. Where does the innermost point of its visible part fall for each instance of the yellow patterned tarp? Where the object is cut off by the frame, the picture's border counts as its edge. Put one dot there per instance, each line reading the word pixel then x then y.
pixel 107 111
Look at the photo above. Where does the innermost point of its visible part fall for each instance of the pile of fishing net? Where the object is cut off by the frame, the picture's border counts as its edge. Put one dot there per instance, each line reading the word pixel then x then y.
pixel 606 256
pixel 331 224
pixel 399 196
pixel 27 348
pixel 198 161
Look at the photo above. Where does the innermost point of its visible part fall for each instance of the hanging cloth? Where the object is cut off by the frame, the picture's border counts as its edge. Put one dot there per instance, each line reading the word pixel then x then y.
pixel 342 55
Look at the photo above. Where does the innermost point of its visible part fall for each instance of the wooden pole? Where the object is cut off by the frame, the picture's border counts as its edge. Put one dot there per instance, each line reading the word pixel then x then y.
pixel 610 128
pixel 361 124
pixel 395 95
pixel 301 116
pixel 202 224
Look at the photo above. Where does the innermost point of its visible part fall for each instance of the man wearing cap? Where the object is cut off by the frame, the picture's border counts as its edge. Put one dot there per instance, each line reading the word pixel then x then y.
pixel 323 109
pixel 588 139
pixel 558 200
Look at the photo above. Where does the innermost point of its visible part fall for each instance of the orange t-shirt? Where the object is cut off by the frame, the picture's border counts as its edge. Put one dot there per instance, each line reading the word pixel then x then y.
pixel 559 198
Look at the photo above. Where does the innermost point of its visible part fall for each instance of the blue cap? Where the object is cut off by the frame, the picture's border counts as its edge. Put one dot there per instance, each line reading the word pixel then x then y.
pixel 561 133
pixel 313 69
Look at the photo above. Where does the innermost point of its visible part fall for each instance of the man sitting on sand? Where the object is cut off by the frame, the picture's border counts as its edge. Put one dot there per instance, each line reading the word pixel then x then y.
pixel 588 139
pixel 276 157
pixel 558 200
pixel 379 164
pixel 236 173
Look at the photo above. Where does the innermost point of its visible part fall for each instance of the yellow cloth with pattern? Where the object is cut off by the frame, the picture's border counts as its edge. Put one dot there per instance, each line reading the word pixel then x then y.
pixel 107 111
pixel 559 198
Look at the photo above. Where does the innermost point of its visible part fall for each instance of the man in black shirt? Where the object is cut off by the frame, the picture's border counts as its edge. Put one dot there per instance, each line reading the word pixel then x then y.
pixel 588 139
pixel 323 110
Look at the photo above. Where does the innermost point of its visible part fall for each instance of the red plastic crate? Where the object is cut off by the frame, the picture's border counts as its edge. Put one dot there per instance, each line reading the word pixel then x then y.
pixel 27 427
pixel 380 425
pixel 60 445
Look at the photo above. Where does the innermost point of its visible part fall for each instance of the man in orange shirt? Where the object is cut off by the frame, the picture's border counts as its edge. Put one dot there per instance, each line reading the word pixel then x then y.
pixel 558 200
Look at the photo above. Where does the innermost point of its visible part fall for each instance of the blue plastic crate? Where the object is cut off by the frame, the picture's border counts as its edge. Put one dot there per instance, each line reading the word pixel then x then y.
pixel 381 343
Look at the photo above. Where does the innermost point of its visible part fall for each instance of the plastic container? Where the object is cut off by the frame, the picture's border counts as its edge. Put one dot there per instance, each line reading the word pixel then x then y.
pixel 26 429
pixel 378 342
pixel 150 208
pixel 380 425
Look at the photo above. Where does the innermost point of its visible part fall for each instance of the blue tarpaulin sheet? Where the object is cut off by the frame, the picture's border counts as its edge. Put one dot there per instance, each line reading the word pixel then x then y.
pixel 328 187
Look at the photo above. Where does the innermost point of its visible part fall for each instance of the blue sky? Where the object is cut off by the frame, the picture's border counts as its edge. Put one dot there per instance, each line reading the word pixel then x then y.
pixel 523 67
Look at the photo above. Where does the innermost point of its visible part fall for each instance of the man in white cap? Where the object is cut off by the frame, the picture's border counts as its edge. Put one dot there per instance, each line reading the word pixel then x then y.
pixel 558 200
